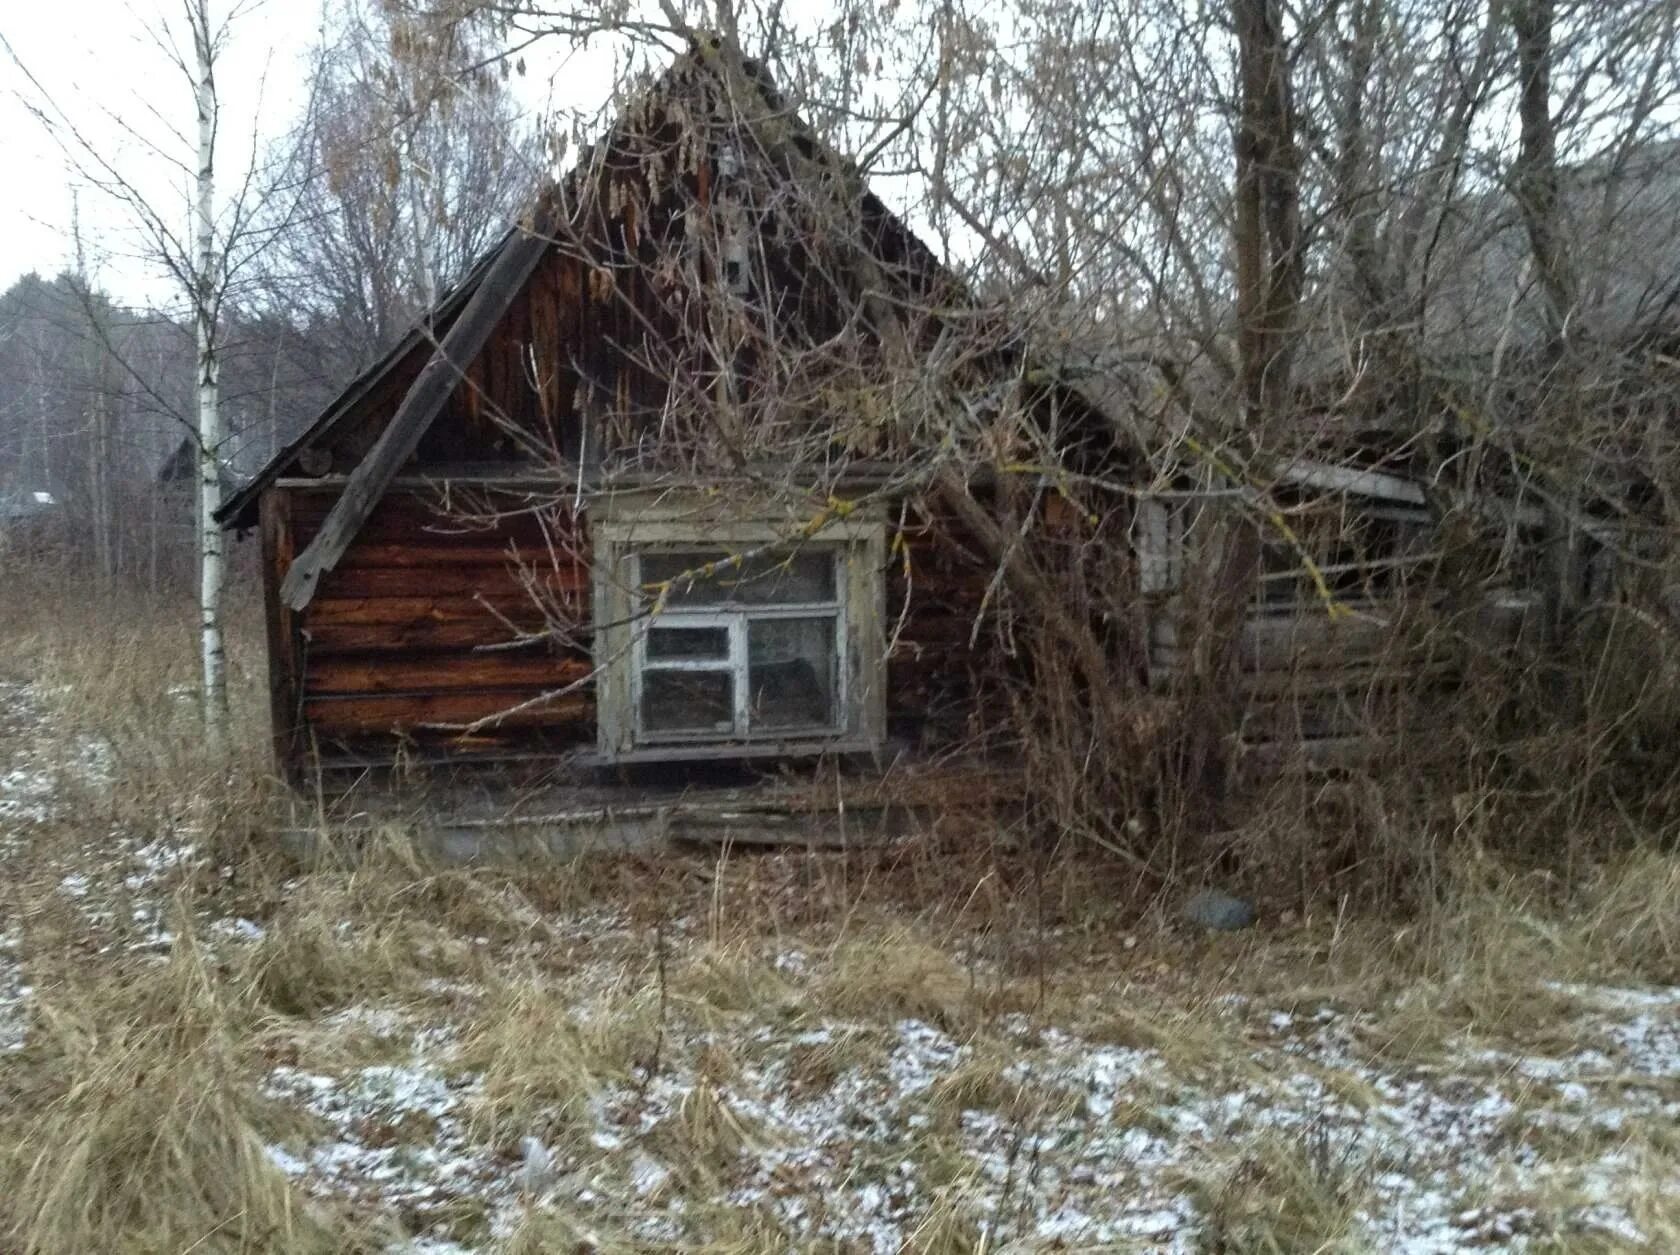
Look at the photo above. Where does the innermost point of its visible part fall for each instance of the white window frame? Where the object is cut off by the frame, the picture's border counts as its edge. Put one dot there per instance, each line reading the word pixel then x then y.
pixel 628 523
pixel 736 621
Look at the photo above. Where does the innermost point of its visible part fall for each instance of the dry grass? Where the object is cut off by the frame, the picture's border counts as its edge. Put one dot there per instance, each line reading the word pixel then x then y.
pixel 1279 1195
pixel 785 1039
pixel 897 974
pixel 142 1129
pixel 545 1059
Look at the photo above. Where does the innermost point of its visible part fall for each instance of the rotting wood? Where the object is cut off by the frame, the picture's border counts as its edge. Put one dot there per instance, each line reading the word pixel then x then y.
pixel 443 672
pixel 509 607
pixel 284 656
pixel 400 712
pixel 402 638
pixel 465 553
pixel 498 582
pixel 396 444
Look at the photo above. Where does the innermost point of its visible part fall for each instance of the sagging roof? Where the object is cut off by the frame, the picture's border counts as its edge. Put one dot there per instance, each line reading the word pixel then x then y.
pixel 744 99
pixel 240 509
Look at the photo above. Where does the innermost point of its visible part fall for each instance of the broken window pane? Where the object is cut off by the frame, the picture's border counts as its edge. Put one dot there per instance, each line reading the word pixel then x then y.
pixel 767 580
pixel 669 641
pixel 790 673
pixel 688 701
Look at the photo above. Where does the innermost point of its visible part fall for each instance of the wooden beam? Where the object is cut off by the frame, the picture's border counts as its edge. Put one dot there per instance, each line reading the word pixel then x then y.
pixel 441 673
pixel 450 711
pixel 463 341
pixel 285 681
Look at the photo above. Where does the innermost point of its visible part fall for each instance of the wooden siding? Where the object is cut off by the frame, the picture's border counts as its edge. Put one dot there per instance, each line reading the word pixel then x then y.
pixel 418 633
pixel 1359 669
pixel 435 621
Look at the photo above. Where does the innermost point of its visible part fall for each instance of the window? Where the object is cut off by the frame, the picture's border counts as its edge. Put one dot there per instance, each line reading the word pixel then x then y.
pixel 1361 554
pixel 752 649
pixel 716 636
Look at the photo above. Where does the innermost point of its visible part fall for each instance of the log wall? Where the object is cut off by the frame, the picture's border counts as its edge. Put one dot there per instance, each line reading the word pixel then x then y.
pixel 1353 674
pixel 431 623
pixel 439 618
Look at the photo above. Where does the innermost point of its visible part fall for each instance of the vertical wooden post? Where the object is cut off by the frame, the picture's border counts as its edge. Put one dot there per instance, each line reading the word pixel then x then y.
pixel 285 654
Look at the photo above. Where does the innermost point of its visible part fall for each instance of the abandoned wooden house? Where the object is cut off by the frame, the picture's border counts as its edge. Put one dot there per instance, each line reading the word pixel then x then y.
pixel 599 508
pixel 668 477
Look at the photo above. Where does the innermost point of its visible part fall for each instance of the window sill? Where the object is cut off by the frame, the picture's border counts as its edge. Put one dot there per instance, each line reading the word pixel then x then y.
pixel 722 751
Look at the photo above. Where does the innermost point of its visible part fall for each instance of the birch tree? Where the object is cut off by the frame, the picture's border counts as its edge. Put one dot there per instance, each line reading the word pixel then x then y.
pixel 207 291
pixel 227 229
pixel 419 161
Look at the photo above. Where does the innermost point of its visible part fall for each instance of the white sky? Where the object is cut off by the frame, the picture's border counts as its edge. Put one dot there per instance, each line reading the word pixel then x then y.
pixel 104 68
pixel 98 61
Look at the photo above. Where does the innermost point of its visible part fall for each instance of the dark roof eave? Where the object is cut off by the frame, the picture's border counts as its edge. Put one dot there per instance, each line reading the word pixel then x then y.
pixel 240 510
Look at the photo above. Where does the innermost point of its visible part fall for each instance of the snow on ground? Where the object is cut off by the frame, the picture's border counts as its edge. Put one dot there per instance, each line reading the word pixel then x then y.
pixel 869 1131
pixel 36 767
pixel 39 770
pixel 1100 1150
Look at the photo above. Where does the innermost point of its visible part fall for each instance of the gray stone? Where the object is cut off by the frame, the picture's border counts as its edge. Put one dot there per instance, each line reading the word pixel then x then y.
pixel 1219 911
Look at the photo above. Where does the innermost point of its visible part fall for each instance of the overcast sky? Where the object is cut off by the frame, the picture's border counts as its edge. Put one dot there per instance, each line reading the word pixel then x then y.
pixel 105 69
pixel 99 61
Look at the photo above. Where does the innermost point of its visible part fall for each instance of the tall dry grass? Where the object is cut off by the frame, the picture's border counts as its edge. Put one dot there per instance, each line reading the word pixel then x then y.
pixel 135 1118
pixel 115 670
pixel 135 1122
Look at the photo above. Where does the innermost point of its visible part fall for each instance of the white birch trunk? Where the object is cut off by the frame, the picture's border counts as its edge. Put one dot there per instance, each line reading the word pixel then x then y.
pixel 419 211
pixel 206 290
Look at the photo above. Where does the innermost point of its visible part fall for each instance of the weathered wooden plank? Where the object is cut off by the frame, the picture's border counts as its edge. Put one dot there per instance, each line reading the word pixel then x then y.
pixel 396 444
pixel 435 535
pixel 284 657
pixel 389 638
pixel 499 582
pixel 334 716
pixel 514 607
pixel 443 672
pixel 420 550
pixel 474 515
pixel 1278 640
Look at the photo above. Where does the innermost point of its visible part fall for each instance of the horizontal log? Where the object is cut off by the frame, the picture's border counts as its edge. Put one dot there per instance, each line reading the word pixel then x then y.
pixel 347 716
pixel 442 673
pixel 387 638
pixel 435 531
pixel 418 551
pixel 496 581
pixel 364 750
pixel 476 508
pixel 1277 641
pixel 516 608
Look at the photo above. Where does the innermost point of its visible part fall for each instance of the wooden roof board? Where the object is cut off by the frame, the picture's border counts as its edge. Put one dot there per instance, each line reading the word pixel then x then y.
pixel 510 268
pixel 885 237
pixel 240 510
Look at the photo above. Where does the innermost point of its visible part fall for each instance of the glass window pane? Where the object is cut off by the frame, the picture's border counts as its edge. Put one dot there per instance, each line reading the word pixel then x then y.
pixel 767 580
pixel 688 701
pixel 670 641
pixel 790 673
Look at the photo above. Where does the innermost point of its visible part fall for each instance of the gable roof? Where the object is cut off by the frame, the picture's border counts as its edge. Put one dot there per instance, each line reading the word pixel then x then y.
pixel 702 87
pixel 240 509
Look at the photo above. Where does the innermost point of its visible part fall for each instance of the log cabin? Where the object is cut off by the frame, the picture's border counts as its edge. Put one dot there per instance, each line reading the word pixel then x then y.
pixel 651 485
pixel 693 466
